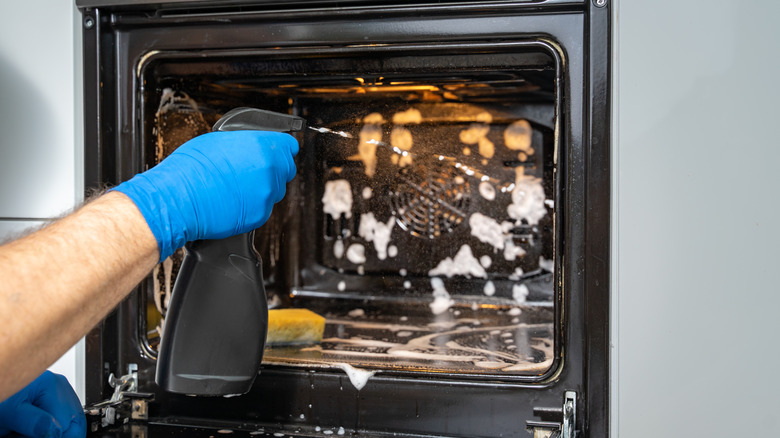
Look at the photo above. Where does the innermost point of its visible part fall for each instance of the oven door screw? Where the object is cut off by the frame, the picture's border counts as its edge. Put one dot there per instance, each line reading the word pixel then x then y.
pixel 600 3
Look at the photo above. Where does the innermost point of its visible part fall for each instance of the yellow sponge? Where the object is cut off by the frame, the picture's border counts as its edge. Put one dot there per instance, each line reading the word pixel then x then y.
pixel 294 326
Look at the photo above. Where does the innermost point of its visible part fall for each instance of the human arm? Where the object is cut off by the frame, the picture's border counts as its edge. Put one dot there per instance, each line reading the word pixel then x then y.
pixel 60 281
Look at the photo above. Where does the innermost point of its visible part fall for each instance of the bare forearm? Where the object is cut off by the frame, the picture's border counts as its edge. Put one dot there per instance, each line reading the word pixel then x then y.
pixel 57 283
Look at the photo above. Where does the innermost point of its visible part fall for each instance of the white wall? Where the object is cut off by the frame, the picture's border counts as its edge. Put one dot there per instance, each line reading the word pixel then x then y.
pixel 41 169
pixel 696 237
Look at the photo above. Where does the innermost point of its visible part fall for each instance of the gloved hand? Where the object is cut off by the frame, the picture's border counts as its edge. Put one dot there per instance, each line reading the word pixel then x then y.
pixel 214 186
pixel 47 407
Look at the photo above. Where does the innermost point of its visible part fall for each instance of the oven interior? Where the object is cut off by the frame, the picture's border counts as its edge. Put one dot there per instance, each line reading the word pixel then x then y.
pixel 422 220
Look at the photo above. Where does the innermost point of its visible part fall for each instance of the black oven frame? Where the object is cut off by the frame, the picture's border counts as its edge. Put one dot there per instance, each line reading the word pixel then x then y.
pixel 580 28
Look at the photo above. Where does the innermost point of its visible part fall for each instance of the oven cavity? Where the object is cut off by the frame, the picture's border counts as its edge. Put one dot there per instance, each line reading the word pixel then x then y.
pixel 422 220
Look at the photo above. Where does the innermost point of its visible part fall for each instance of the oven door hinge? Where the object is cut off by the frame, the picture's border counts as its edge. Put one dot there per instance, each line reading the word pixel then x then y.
pixel 125 404
pixel 556 422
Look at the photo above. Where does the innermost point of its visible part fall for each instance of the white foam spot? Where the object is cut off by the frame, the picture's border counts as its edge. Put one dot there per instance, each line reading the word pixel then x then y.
pixel 512 251
pixel 401 138
pixel 340 431
pixel 356 253
pixel 402 271
pixel 377 232
pixel 441 298
pixel 356 313
pixel 517 136
pixel 485 261
pixel 514 311
pixel 361 270
pixel 392 250
pixel 358 377
pixel 464 263
pixel 337 198
pixel 404 334
pixel 342 286
pixel 338 249
pixel 484 117
pixel 474 133
pixel 408 117
pixel 520 293
pixel 490 289
pixel 517 274
pixel 527 200
pixel 486 148
pixel 487 190
pixel 370 135
pixel 547 265
pixel 407 284
pixel 367 193
pixel 373 119
pixel 487 230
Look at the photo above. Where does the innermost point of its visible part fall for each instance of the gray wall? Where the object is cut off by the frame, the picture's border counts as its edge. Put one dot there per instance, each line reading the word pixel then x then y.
pixel 40 164
pixel 697 233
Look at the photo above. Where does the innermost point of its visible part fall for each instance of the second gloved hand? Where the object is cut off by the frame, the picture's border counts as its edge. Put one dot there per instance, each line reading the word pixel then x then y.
pixel 47 407
pixel 214 186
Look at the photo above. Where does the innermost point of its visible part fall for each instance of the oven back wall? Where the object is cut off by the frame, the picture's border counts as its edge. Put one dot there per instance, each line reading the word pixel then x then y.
pixel 696 290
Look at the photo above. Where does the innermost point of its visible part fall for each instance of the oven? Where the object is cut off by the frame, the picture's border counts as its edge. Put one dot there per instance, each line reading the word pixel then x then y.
pixel 449 218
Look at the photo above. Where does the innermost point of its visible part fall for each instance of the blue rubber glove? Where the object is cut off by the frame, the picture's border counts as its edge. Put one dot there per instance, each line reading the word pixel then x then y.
pixel 47 407
pixel 214 186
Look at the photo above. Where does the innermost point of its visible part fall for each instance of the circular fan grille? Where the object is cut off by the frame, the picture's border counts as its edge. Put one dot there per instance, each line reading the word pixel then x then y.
pixel 430 200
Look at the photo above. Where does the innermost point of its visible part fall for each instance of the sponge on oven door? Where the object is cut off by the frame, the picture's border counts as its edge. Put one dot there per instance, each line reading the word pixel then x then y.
pixel 294 326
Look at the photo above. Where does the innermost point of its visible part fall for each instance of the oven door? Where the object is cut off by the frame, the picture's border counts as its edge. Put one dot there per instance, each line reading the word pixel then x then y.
pixel 471 73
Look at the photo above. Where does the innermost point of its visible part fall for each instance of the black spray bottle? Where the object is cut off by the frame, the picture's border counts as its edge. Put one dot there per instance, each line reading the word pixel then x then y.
pixel 217 320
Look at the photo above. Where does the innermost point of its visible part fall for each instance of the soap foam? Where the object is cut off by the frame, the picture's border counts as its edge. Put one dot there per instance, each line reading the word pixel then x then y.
pixel 520 293
pixel 490 289
pixel 487 190
pixel 408 117
pixel 356 253
pixel 464 263
pixel 377 232
pixel 370 136
pixel 487 230
pixel 358 377
pixel 517 137
pixel 338 249
pixel 547 265
pixel 337 198
pixel 474 133
pixel 441 298
pixel 401 138
pixel 527 200
pixel 512 251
